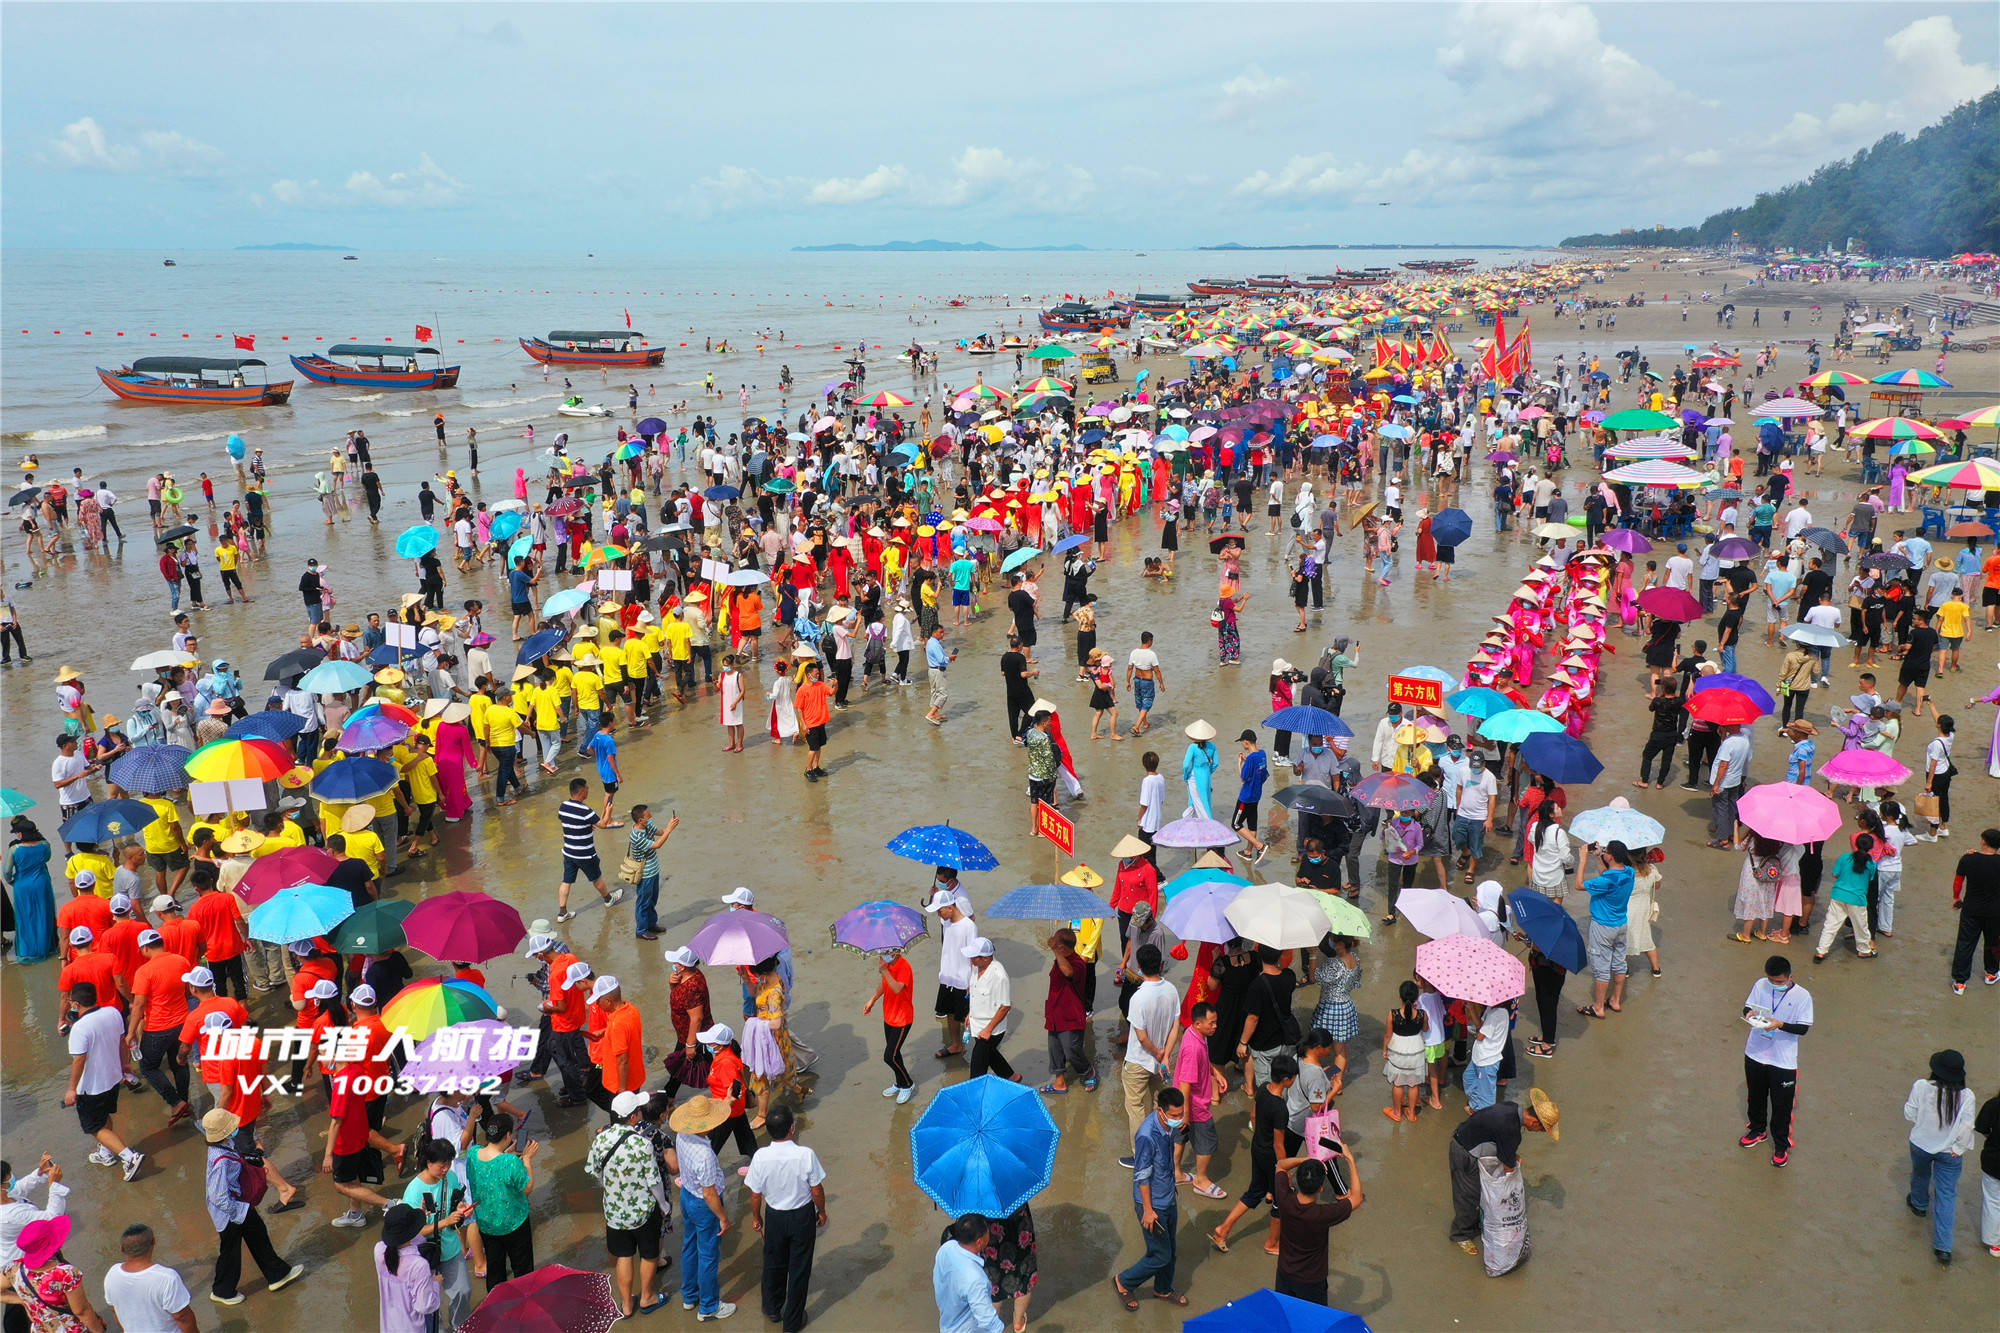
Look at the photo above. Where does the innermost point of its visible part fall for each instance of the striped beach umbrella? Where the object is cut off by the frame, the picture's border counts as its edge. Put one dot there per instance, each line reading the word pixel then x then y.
pixel 1913 379
pixel 1976 474
pixel 1896 428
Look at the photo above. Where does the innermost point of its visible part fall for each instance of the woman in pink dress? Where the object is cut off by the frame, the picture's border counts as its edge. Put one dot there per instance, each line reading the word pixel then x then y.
pixel 454 758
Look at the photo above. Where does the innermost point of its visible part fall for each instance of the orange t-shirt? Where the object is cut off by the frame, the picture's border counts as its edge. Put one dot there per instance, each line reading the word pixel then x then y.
pixel 750 612
pixel 728 1070
pixel 1992 568
pixel 89 910
pixel 159 987
pixel 899 1007
pixel 376 1066
pixel 310 971
pixel 99 969
pixel 242 1085
pixel 220 916
pixel 122 943
pixel 181 936
pixel 812 703
pixel 623 1034
pixel 214 1004
pixel 569 1011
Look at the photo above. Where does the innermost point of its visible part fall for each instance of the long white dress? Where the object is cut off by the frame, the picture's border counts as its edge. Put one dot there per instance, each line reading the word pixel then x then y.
pixel 732 698
pixel 784 718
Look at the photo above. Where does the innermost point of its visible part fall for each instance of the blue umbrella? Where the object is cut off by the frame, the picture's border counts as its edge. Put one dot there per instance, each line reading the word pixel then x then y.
pixel 943 845
pixel 1549 928
pixel 335 677
pixel 652 426
pixel 1618 824
pixel 1731 680
pixel 273 724
pixel 1324 442
pixel 387 655
pixel 1049 902
pixel 523 544
pixel 985 1146
pixel 418 541
pixel 1403 398
pixel 1559 755
pixel 1479 702
pixel 299 913
pixel 359 778
pixel 1438 674
pixel 1090 437
pixel 905 449
pixel 722 493
pixel 1450 527
pixel 564 602
pixel 1396 431
pixel 102 821
pixel 1194 879
pixel 1071 542
pixel 539 645
pixel 1308 721
pixel 1517 724
pixel 1019 558
pixel 151 770
pixel 1266 1311
pixel 505 526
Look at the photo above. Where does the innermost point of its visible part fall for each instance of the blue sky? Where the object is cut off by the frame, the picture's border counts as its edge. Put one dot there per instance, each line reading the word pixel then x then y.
pixel 756 127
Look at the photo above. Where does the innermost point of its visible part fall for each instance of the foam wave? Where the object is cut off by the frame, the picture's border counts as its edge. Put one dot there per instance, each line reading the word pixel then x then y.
pixel 59 433
pixel 401 411
pixel 207 437
pixel 511 400
pixel 358 397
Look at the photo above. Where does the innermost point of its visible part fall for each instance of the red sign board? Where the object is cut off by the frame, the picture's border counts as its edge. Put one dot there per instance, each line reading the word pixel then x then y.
pixel 1050 824
pixel 1417 691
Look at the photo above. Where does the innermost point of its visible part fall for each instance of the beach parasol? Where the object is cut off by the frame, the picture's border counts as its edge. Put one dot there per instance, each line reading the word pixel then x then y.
pixel 1049 902
pixel 1863 768
pixel 228 760
pixel 1913 379
pixel 271 724
pixel 1559 755
pixel 1394 791
pixel 1265 1311
pixel 739 938
pixel 285 869
pixel 101 821
pixel 1788 812
pixel 984 1146
pixel 300 913
pixel 1477 970
pixel 422 1007
pixel 1653 472
pixel 373 928
pixel 1895 428
pixel 943 845
pixel 1640 418
pixel 1439 913
pixel 14 803
pixel 1278 915
pixel 1618 822
pixel 465 926
pixel 1549 928
pixel 1308 721
pixel 879 926
pixel 1195 831
pixel 1977 474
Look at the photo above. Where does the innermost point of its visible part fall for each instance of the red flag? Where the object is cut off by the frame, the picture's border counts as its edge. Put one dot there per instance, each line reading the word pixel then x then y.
pixel 1489 362
pixel 425 333
pixel 628 318
pixel 1382 354
pixel 246 342
pixel 1525 344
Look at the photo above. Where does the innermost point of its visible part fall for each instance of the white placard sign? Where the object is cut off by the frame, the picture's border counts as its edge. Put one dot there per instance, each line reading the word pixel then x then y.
pixel 220 798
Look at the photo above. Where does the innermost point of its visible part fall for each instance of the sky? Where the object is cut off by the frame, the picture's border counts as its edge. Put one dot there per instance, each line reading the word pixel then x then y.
pixel 655 128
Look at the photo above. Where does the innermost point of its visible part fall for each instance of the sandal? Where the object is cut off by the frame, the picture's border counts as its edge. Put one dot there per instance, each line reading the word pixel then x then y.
pixel 943 1053
pixel 1656 972
pixel 1214 1191
pixel 1051 1090
pixel 1393 1114
pixel 1741 939
pixel 1090 1083
pixel 1170 1297
pixel 1220 1245
pixel 1589 1012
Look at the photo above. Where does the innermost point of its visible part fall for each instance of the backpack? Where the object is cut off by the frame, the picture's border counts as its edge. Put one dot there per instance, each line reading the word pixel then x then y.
pixel 252 1180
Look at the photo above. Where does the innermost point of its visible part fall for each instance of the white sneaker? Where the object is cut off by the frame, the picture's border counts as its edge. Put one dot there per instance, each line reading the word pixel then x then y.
pixel 903 1095
pixel 891 1090
pixel 104 1157
pixel 722 1311
pixel 353 1217
pixel 617 896
pixel 565 916
pixel 133 1163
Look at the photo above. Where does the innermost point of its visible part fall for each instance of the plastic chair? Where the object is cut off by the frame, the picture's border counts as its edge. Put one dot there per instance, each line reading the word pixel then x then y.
pixel 1933 518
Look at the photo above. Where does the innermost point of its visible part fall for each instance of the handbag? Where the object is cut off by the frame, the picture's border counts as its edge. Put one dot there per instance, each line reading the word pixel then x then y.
pixel 1322 1128
pixel 1924 805
pixel 630 870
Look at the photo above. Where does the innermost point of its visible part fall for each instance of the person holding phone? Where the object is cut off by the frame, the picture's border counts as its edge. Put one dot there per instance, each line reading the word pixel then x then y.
pixel 1305 1216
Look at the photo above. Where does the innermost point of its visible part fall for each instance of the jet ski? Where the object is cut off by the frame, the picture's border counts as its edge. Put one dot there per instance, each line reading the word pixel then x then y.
pixel 576 407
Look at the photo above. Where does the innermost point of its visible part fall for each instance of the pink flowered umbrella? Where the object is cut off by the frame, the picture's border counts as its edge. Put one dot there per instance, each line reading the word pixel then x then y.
pixel 1789 812
pixel 1477 970
pixel 1867 768
pixel 1195 832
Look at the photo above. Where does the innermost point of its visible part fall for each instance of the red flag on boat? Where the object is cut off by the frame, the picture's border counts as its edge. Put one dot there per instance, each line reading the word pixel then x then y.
pixel 628 318
pixel 425 333
pixel 246 342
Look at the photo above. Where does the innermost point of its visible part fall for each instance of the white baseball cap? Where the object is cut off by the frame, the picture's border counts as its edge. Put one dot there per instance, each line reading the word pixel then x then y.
pixel 150 937
pixel 684 956
pixel 943 898
pixel 625 1103
pixel 87 879
pixel 538 944
pixel 121 905
pixel 578 973
pixel 979 948
pixel 364 995
pixel 740 897
pixel 81 935
pixel 166 902
pixel 200 976
pixel 602 987
pixel 322 990
pixel 218 1018
pixel 719 1034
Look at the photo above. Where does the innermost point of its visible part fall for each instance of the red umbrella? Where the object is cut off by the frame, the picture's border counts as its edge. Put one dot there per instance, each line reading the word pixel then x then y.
pixel 552 1299
pixel 464 927
pixel 1725 707
pixel 1670 604
pixel 285 870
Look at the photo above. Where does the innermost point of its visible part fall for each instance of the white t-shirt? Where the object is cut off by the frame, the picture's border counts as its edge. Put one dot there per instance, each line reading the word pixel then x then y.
pixel 990 992
pixel 1680 572
pixel 1144 659
pixel 1797 521
pixel 148 1300
pixel 1475 795
pixel 954 968
pixel 98 1037
pixel 463 531
pixel 1155 1009
pixel 1770 1046
pixel 1824 614
pixel 1152 796
pixel 66 772
pixel 1492 1038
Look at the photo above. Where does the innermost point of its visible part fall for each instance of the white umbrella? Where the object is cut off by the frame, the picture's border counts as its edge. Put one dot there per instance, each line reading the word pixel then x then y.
pixel 160 661
pixel 1436 913
pixel 502 506
pixel 1278 915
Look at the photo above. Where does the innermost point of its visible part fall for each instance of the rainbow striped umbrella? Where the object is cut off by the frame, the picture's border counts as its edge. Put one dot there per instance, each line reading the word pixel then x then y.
pixel 422 1007
pixel 886 399
pixel 1985 416
pixel 229 760
pixel 1786 407
pixel 1976 474
pixel 1896 428
pixel 1654 472
pixel 1914 379
pixel 1649 449
pixel 1830 378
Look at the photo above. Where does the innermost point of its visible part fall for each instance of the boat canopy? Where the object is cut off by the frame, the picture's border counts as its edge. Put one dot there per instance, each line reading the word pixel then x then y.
pixel 380 349
pixel 591 335
pixel 191 365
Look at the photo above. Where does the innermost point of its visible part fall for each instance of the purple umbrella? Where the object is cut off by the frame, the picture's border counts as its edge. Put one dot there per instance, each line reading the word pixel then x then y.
pixel 1504 456
pixel 478 1048
pixel 878 926
pixel 739 939
pixel 372 731
pixel 1197 913
pixel 1737 548
pixel 1744 685
pixel 1195 832
pixel 1624 539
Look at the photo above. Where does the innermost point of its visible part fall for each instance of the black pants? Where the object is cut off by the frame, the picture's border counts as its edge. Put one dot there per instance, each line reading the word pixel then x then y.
pixel 1970 929
pixel 902 664
pixel 228 970
pixel 1464 1192
pixel 164 1046
pixel 1662 744
pixel 1702 746
pixel 986 1057
pixel 738 1125
pixel 788 1264
pixel 1400 878
pixel 1017 714
pixel 229 1256
pixel 573 1060
pixel 110 520
pixel 1772 1092
pixel 1793 705
pixel 1941 788
pixel 843 676
pixel 13 632
pixel 1548 996
pixel 892 1054
pixel 510 1252
pixel 1312 1292
pixel 545 1050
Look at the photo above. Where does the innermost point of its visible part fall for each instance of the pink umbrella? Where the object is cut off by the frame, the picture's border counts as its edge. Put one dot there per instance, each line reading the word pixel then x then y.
pixel 981 523
pixel 1866 768
pixel 739 939
pixel 1789 812
pixel 286 870
pixel 464 926
pixel 1670 604
pixel 1477 970
pixel 1195 832
pixel 1440 915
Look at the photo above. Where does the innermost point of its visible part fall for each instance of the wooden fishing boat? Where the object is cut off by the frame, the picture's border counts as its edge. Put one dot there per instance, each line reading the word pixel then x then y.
pixel 1083 317
pixel 1219 287
pixel 593 347
pixel 203 381
pixel 323 369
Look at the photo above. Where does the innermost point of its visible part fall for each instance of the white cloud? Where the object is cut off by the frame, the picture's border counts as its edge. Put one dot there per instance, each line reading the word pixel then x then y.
pixel 85 145
pixel 1249 91
pixel 734 190
pixel 880 183
pixel 427 186
pixel 1926 67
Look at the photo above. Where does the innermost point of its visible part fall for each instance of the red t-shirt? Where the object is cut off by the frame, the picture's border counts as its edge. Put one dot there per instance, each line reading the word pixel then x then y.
pixel 376 1065
pixel 122 943
pixel 220 917
pixel 623 1034
pixel 728 1081
pixel 811 700
pixel 1136 883
pixel 99 969
pixel 214 1004
pixel 569 1010
pixel 88 910
pixel 181 936
pixel 899 1007
pixel 351 1110
pixel 159 987
pixel 242 1086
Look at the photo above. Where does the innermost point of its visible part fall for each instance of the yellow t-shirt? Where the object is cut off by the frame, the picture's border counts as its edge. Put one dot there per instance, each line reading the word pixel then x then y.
pixel 288 835
pixel 1953 619
pixel 97 863
pixel 478 703
pixel 423 775
pixel 589 690
pixel 226 555
pixel 612 665
pixel 636 653
pixel 503 726
pixel 547 710
pixel 562 685
pixel 163 835
pixel 679 636
pixel 368 847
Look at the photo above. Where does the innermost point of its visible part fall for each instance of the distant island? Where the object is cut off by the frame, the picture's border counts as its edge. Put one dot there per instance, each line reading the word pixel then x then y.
pixel 292 245
pixel 1374 245
pixel 933 247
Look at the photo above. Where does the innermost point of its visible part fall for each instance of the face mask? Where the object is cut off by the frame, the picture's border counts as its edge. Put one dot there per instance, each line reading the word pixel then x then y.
pixel 1317 749
pixel 1781 987
pixel 1175 1124
pixel 712 1050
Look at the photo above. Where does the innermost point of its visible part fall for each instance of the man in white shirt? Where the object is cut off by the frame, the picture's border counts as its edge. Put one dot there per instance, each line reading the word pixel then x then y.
pixel 787 1205
pixel 1153 1014
pixel 70 775
pixel 1779 1012
pixel 1680 569
pixel 954 970
pixel 19 1210
pixel 148 1297
pixel 1152 800
pixel 98 1066
pixel 1382 751
pixel 990 998
pixel 1145 679
pixel 1798 520
pixel 1474 817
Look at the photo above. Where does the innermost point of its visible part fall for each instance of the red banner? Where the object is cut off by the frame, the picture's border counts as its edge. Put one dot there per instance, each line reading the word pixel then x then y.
pixel 1417 692
pixel 1050 824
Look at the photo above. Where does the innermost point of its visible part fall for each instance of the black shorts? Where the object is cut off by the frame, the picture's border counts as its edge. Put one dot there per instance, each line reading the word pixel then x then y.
pixel 815 738
pixel 1041 790
pixel 230 579
pixel 757 633
pixel 173 860
pixel 357 1168
pixel 1920 679
pixel 589 868
pixel 952 1002
pixel 523 608
pixel 1245 816
pixel 95 1109
pixel 610 788
pixel 642 1240
pixel 1989 596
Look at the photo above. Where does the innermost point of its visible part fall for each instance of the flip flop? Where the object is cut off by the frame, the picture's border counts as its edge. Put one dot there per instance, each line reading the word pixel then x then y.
pixel 1051 1090
pixel 1212 1192
pixel 296 1202
pixel 1220 1245
pixel 1588 1012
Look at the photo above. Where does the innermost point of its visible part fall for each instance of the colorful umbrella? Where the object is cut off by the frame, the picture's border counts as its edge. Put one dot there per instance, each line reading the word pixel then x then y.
pixel 359 778
pixel 286 869
pixel 1832 378
pixel 1976 474
pixel 879 926
pixel 101 821
pixel 337 676
pixel 1049 902
pixel 1913 379
pixel 1394 791
pixel 422 1007
pixel 234 760
pixel 739 939
pixel 373 928
pixel 465 926
pixel 300 913
pixel 1438 913
pixel 984 1146
pixel 1639 418
pixel 1653 472
pixel 1559 755
pixel 1477 970
pixel 886 399
pixel 1549 928
pixel 1742 684
pixel 943 845
pixel 479 1048
pixel 1195 831
pixel 1789 812
pixel 1278 915
pixel 1864 768
pixel 1895 428
pixel 1984 416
